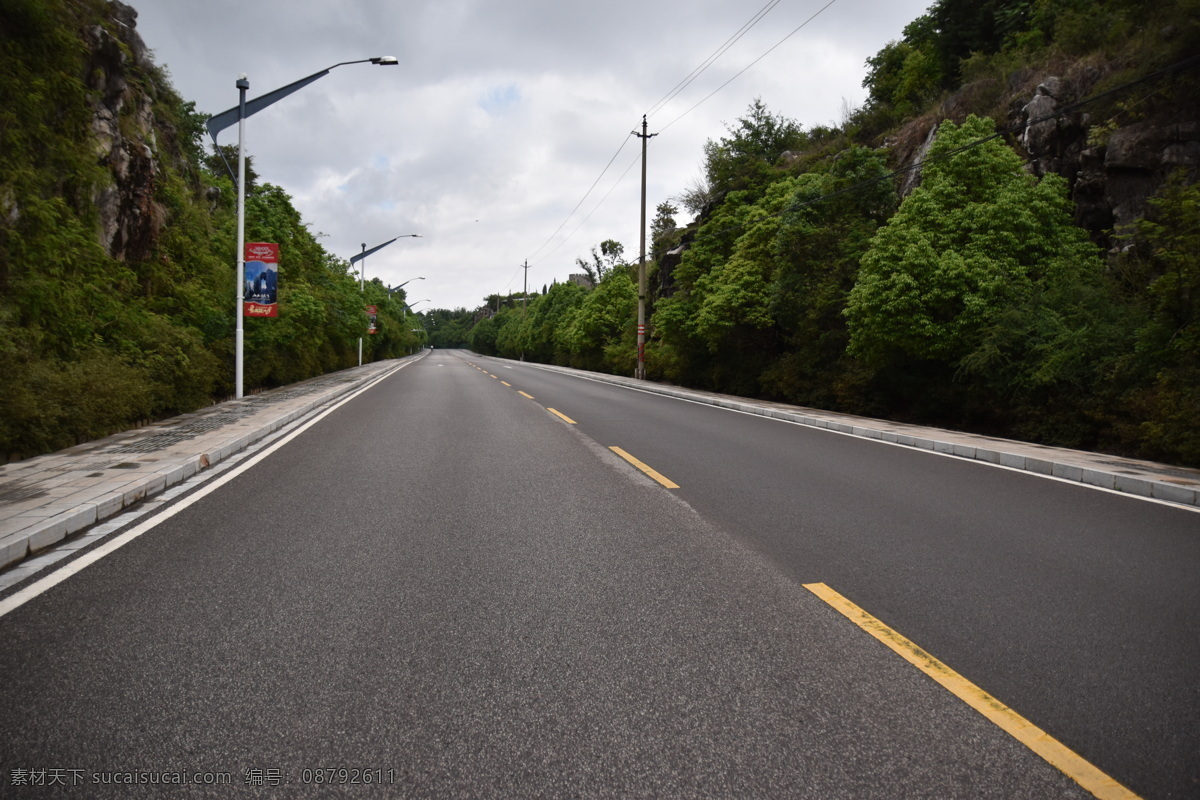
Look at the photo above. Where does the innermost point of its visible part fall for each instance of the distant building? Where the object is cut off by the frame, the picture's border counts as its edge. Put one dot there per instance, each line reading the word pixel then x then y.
pixel 581 279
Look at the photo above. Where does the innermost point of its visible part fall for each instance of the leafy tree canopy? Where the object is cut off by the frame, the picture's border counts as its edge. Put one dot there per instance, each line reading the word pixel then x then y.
pixel 744 158
pixel 980 235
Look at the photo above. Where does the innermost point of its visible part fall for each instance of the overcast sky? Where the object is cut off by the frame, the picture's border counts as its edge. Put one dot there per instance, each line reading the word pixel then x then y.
pixel 501 115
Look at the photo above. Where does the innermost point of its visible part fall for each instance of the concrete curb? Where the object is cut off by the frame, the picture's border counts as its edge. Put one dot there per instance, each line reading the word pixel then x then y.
pixel 1157 481
pixel 68 510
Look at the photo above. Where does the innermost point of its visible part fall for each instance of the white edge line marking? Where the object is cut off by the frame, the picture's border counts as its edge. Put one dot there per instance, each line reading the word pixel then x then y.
pixel 909 448
pixel 43 585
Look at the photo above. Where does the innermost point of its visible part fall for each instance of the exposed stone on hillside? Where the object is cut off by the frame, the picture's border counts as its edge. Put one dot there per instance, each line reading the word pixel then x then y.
pixel 123 126
pixel 1113 167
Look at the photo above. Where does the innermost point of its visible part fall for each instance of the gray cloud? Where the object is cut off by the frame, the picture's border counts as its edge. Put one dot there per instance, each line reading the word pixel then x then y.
pixel 500 115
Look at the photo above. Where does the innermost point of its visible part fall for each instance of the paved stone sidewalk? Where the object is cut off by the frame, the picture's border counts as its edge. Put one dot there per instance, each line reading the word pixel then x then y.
pixel 45 499
pixel 1144 478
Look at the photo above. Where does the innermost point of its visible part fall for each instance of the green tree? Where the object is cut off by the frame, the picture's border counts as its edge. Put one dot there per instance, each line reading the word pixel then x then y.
pixel 745 158
pixel 681 351
pixel 603 263
pixel 823 234
pixel 980 275
pixel 664 232
pixel 1165 395
pixel 906 75
pixel 593 333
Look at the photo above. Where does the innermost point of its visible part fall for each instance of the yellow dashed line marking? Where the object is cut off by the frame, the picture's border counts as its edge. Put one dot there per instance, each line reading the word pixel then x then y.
pixel 561 415
pixel 1068 761
pixel 667 482
pixel 525 395
pixel 506 383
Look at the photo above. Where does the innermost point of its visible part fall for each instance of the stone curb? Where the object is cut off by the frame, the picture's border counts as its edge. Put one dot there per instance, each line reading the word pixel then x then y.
pixel 969 446
pixel 18 545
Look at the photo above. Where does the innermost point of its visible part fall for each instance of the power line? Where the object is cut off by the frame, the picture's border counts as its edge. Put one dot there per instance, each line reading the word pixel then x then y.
pixel 679 87
pixel 698 71
pixel 595 208
pixel 748 66
pixel 624 142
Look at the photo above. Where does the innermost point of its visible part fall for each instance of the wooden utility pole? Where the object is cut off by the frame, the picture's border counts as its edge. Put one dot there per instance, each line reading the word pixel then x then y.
pixel 640 371
pixel 524 300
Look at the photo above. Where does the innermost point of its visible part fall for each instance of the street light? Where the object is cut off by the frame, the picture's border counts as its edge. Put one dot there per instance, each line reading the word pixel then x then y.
pixel 362 259
pixel 238 114
pixel 394 289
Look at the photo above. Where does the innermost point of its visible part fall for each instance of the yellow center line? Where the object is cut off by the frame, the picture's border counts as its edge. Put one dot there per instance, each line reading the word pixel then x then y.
pixel 561 415
pixel 667 482
pixel 1055 752
pixel 497 377
pixel 525 395
pixel 506 383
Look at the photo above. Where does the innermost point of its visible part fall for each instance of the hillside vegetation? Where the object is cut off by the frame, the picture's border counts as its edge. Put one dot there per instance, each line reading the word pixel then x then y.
pixel 117 240
pixel 1005 238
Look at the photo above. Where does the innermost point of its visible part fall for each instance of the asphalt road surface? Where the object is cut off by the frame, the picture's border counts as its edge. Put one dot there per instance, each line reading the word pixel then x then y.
pixel 443 589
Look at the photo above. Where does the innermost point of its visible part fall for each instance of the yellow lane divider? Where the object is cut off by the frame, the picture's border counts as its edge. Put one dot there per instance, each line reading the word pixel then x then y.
pixel 561 415
pixel 667 482
pixel 506 383
pixel 1068 761
pixel 525 395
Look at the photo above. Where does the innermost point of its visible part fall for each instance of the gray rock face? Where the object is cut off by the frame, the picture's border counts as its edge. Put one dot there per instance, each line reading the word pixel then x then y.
pixel 123 126
pixel 1113 169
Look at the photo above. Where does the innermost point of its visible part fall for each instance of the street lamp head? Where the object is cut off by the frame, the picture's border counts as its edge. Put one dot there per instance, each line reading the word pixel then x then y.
pixel 385 61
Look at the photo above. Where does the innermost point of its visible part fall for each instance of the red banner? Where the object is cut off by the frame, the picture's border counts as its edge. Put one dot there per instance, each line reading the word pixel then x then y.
pixel 372 319
pixel 261 292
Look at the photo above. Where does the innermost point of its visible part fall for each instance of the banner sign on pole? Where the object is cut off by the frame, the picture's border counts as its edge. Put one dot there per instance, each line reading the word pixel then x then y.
pixel 261 298
pixel 372 319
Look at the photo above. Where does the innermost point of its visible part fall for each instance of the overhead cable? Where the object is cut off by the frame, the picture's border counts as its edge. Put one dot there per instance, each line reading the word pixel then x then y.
pixel 624 142
pixel 698 71
pixel 748 66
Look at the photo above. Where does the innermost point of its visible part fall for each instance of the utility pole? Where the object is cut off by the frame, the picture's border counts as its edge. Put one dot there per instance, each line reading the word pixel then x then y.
pixel 640 371
pixel 524 300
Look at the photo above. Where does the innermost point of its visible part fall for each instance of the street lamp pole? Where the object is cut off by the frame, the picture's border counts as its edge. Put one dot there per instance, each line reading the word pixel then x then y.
pixel 393 289
pixel 238 114
pixel 243 84
pixel 361 258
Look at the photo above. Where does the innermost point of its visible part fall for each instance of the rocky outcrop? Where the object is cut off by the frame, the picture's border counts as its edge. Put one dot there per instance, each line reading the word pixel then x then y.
pixel 123 127
pixel 1112 168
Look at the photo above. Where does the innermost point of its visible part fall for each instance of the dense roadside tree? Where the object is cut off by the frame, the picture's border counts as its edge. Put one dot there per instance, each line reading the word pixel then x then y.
pixel 117 239
pixel 744 159
pixel 1160 380
pixel 980 282
pixel 823 233
pixel 597 331
pixel 447 328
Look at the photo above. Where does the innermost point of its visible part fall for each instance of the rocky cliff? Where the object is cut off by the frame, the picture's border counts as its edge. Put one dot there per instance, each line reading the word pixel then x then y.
pixel 1115 153
pixel 124 128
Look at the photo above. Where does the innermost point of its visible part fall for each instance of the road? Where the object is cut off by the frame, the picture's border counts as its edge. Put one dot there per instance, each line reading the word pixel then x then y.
pixel 451 591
